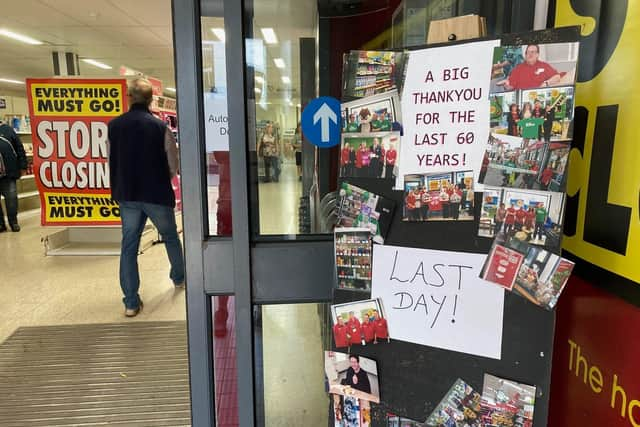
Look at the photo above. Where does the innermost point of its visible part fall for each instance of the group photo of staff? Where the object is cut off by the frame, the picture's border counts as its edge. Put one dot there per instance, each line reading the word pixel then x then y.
pixel 536 114
pixel 370 155
pixel 518 219
pixel 378 113
pixel 359 323
pixel 517 162
pixel 533 66
pixel 438 197
pixel 542 277
pixel 352 375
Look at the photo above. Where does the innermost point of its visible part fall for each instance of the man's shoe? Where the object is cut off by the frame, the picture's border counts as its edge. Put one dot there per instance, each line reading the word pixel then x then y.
pixel 179 285
pixel 14 227
pixel 133 312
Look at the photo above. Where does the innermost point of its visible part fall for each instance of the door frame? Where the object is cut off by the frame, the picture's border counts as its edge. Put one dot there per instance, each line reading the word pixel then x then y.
pixel 238 266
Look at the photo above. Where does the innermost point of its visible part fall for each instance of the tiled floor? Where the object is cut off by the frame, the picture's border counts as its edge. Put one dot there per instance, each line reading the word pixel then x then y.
pixel 58 290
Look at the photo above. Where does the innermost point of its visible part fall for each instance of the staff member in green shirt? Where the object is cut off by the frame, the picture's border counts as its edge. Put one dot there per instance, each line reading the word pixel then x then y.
pixel 541 216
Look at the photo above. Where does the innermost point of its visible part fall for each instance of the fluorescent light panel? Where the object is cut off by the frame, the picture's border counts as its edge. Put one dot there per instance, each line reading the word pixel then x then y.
pixel 259 79
pixel 269 35
pixel 286 80
pixel 17 82
pixel 170 89
pixel 279 62
pixel 257 90
pixel 219 32
pixel 96 63
pixel 19 37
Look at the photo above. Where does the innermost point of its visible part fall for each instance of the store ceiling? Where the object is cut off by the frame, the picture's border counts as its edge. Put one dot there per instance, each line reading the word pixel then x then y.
pixel 136 34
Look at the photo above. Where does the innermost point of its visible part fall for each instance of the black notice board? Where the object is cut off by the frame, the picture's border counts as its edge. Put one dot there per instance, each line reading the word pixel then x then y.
pixel 414 378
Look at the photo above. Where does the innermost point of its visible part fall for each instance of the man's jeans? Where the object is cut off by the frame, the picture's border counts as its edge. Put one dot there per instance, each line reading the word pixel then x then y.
pixel 134 216
pixel 10 193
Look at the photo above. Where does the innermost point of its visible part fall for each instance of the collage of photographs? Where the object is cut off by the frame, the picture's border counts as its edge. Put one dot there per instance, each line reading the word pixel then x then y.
pixel 524 166
pixel 523 180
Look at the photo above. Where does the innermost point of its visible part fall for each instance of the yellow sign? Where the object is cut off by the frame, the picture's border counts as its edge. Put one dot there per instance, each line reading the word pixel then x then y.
pixel 77 98
pixel 78 208
pixel 604 176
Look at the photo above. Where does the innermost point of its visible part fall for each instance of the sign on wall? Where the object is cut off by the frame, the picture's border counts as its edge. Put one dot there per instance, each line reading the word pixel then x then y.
pixel 436 298
pixel 444 108
pixel 70 156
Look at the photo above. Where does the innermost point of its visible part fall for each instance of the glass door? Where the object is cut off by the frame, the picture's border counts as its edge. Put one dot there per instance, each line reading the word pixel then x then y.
pixel 257 196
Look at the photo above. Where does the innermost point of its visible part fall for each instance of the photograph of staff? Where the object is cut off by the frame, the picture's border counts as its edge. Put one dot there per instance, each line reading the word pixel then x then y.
pixel 438 197
pixel 352 375
pixel 372 155
pixel 359 323
pixel 539 114
pixel 519 218
pixel 378 113
pixel 533 66
pixel 515 162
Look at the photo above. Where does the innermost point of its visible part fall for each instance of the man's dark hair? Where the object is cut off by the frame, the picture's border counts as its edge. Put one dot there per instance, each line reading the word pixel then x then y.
pixel 355 356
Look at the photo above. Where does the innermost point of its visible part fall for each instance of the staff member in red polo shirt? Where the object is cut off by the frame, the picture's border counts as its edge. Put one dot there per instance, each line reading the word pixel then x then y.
pixel 390 161
pixel 355 329
pixel 545 178
pixel 344 160
pixel 341 333
pixel 510 219
pixel 381 328
pixel 521 216
pixel 368 330
pixel 531 73
pixel 410 204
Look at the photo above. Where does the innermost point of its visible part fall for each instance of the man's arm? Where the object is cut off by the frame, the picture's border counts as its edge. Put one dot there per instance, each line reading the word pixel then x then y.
pixel 171 148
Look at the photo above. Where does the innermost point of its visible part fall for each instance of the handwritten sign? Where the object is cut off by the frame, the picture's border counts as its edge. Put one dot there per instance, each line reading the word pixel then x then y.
pixel 445 108
pixel 436 298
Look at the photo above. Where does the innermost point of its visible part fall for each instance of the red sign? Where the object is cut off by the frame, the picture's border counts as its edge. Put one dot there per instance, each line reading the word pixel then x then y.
pixel 503 266
pixel 69 121
pixel 595 366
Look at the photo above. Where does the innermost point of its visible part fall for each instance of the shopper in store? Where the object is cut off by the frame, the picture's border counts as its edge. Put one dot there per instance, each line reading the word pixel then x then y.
pixel 356 377
pixel 13 165
pixel 268 150
pixel 297 148
pixel 143 157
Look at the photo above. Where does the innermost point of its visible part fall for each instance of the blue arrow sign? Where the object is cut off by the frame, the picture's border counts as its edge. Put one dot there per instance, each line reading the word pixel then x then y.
pixel 320 122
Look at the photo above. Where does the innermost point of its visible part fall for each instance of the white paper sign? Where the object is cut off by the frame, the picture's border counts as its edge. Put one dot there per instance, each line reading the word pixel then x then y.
pixel 436 298
pixel 217 122
pixel 445 108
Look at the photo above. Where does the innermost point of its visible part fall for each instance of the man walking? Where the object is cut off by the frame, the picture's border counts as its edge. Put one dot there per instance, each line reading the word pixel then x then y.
pixel 13 164
pixel 143 158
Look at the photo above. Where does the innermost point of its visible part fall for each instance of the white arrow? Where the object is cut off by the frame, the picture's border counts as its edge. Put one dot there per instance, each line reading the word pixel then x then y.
pixel 325 113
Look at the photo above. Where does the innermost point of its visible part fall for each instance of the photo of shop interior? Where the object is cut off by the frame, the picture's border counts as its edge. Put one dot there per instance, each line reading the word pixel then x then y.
pixel 518 218
pixel 438 197
pixel 542 276
pixel 516 162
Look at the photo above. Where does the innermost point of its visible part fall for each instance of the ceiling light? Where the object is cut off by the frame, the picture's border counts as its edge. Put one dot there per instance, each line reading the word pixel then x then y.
pixel 259 79
pixel 257 90
pixel 19 37
pixel 219 32
pixel 279 62
pixel 17 82
pixel 286 80
pixel 96 63
pixel 269 35
pixel 170 89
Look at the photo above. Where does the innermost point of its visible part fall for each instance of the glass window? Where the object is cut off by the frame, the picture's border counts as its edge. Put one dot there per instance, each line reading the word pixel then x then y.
pixel 214 84
pixel 289 369
pixel 224 361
